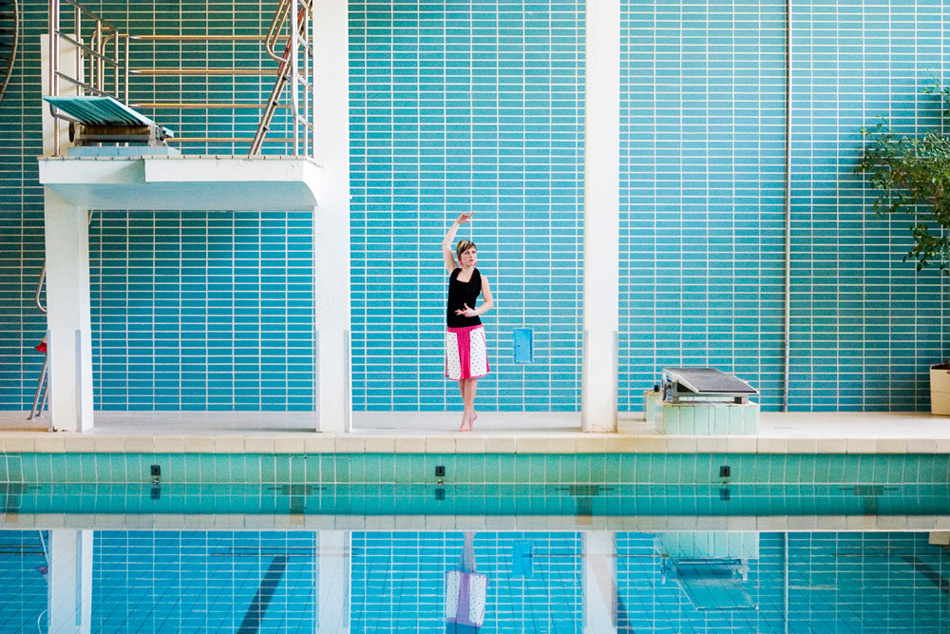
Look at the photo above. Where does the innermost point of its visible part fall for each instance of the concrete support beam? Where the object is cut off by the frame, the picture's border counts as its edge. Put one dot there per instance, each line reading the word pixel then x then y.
pixel 601 217
pixel 331 225
pixel 70 581
pixel 599 581
pixel 67 296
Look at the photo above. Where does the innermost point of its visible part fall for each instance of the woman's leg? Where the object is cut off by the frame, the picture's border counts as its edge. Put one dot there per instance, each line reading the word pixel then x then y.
pixel 467 387
pixel 463 388
pixel 472 387
pixel 467 564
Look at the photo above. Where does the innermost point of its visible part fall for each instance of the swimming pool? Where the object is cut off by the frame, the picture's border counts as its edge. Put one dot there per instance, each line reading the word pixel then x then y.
pixel 662 543
pixel 538 581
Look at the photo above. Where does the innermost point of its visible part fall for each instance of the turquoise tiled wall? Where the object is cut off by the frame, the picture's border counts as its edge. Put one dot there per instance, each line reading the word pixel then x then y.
pixel 216 306
pixel 866 327
pixel 702 190
pixel 478 105
pixel 456 107
pixel 703 199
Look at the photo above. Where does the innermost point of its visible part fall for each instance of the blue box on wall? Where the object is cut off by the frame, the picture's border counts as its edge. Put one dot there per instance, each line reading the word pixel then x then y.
pixel 523 339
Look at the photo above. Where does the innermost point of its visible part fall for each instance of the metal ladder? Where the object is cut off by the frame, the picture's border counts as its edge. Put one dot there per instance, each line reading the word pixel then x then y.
pixel 294 67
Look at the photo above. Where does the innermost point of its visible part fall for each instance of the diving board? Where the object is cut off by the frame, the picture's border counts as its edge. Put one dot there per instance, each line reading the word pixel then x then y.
pixel 108 120
pixel 704 383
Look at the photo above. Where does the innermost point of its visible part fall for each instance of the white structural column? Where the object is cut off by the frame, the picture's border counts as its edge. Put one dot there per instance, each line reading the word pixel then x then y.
pixel 601 217
pixel 67 283
pixel 333 581
pixel 70 581
pixel 331 224
pixel 599 581
pixel 67 296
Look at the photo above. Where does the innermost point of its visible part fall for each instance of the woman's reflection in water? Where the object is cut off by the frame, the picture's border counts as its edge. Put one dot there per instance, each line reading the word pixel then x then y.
pixel 465 593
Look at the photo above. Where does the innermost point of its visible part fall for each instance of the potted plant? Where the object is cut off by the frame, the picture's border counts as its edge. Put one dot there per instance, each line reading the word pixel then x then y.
pixel 912 176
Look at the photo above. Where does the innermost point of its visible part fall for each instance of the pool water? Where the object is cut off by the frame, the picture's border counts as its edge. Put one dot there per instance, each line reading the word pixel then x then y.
pixel 364 581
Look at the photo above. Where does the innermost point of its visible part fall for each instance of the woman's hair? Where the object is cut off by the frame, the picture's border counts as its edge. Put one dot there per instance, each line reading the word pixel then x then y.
pixel 463 246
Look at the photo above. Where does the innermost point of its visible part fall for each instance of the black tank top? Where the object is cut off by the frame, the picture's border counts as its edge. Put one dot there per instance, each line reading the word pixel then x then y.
pixel 461 293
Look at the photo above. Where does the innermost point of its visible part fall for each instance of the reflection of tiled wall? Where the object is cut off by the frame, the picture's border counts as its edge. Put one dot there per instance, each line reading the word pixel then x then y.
pixel 167 581
pixel 867 582
pixel 856 582
pixel 23 589
pixel 399 579
pixel 466 106
pixel 197 581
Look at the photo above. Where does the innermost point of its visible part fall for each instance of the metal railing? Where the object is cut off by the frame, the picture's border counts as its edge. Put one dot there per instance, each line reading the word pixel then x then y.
pixel 9 40
pixel 42 392
pixel 107 63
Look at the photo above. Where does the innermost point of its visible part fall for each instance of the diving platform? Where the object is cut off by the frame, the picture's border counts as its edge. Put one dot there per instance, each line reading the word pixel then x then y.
pixel 76 186
pixel 105 147
pixel 174 183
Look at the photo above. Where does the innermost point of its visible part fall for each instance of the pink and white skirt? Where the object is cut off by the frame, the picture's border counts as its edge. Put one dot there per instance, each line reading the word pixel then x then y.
pixel 466 353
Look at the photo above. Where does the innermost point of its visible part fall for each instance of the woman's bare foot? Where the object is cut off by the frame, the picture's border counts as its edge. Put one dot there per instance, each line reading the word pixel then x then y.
pixel 467 420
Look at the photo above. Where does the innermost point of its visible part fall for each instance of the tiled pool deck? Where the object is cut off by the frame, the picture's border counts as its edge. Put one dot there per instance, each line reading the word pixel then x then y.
pixel 496 432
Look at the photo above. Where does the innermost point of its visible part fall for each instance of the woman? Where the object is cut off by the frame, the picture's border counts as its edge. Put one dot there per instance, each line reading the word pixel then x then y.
pixel 466 354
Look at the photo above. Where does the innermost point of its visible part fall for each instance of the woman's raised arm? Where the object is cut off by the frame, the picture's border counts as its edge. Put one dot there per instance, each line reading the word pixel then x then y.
pixel 449 238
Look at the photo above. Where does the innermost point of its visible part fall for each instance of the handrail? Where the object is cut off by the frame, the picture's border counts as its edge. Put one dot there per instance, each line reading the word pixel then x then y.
pixel 92 16
pixel 276 24
pixel 13 48
pixel 195 38
pixel 181 105
pixel 39 290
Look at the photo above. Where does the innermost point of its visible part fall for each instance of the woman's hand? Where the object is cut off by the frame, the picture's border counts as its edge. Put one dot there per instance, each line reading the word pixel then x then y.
pixel 464 218
pixel 468 312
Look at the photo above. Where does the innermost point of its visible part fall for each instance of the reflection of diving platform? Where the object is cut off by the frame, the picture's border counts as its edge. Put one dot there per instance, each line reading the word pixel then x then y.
pixel 711 567
pixel 711 584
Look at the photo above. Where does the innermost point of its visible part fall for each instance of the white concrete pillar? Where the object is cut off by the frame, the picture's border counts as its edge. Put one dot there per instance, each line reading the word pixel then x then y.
pixel 599 582
pixel 67 278
pixel 70 581
pixel 601 217
pixel 331 223
pixel 333 581
pixel 69 322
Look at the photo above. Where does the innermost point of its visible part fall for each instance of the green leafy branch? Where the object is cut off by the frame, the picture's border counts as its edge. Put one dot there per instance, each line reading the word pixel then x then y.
pixel 912 176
